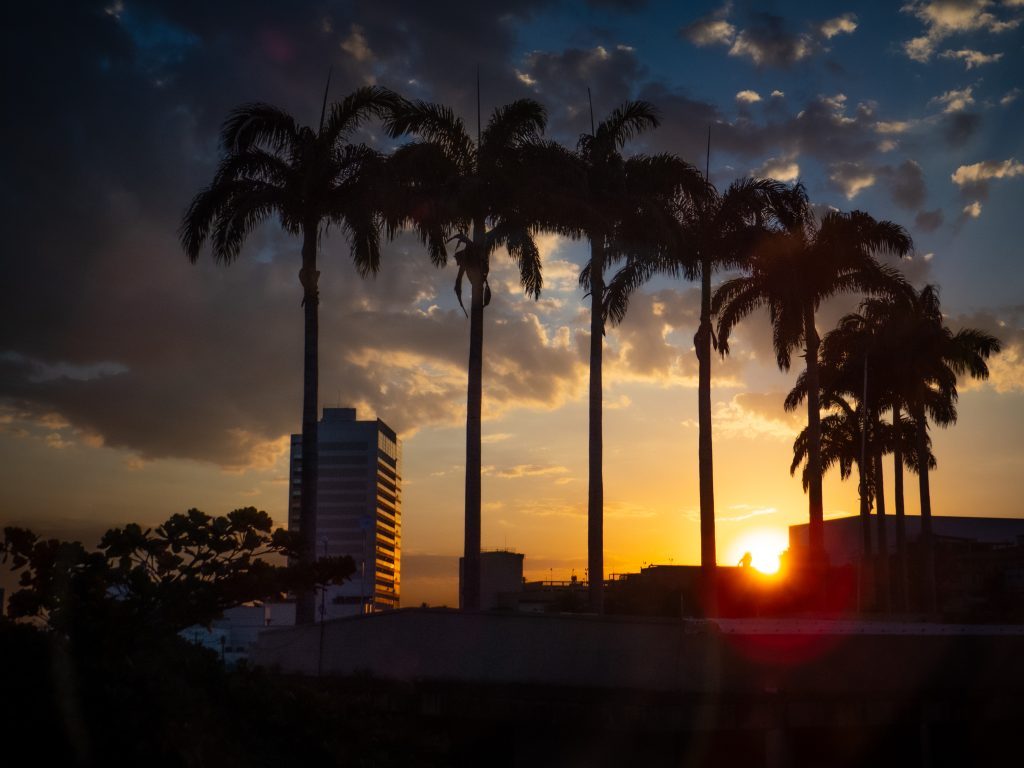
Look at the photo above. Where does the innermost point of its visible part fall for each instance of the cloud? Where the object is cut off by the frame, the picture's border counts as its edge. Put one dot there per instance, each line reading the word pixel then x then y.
pixel 845 24
pixel 944 18
pixel 355 45
pixel 958 128
pixel 851 178
pixel 785 169
pixel 972 210
pixel 713 29
pixel 906 184
pixel 748 97
pixel 971 58
pixel 1009 97
pixel 756 415
pixel 563 78
pixel 986 170
pixel 893 126
pixel 928 221
pixel 1006 368
pixel 955 100
pixel 525 470
pixel 765 38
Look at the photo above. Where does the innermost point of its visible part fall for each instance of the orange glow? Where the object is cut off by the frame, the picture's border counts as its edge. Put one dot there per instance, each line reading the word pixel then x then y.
pixel 764 545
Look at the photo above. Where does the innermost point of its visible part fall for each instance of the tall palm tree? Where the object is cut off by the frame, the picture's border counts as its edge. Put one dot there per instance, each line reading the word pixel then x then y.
pixel 932 357
pixel 485 190
pixel 621 205
pixel 793 271
pixel 308 178
pixel 716 231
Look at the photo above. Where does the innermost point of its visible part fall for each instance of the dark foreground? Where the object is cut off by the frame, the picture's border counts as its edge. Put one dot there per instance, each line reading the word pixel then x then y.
pixel 936 700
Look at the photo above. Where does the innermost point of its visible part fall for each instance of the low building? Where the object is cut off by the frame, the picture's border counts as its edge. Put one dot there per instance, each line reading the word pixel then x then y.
pixel 501 576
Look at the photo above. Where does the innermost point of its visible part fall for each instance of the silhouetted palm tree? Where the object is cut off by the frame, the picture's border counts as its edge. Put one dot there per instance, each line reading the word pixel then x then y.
pixel 931 359
pixel 793 271
pixel 621 205
pixel 485 190
pixel 716 231
pixel 308 178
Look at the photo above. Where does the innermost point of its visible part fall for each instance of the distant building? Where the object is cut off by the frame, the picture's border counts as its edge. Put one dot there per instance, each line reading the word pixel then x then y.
pixel 979 562
pixel 234 633
pixel 359 509
pixel 501 576
pixel 843 534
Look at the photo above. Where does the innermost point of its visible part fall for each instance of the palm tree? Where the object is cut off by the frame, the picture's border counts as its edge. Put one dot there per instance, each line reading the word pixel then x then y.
pixel 486 191
pixel 793 271
pixel 622 206
pixel 717 231
pixel 932 357
pixel 308 178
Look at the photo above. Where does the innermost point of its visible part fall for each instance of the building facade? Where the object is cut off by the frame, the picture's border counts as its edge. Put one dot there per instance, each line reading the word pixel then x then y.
pixel 359 509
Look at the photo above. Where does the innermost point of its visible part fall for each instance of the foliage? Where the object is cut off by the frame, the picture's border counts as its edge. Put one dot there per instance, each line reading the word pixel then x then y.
pixel 158 580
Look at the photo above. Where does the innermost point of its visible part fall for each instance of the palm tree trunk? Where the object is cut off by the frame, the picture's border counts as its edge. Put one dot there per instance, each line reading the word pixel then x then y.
pixel 865 532
pixel 901 526
pixel 884 590
pixel 927 542
pixel 816 526
pixel 474 400
pixel 702 345
pixel 305 606
pixel 595 495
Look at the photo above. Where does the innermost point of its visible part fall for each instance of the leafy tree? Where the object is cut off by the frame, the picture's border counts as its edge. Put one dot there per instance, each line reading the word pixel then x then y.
pixel 309 179
pixel 157 581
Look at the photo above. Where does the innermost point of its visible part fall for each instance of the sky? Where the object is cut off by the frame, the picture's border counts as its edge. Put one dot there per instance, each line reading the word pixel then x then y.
pixel 134 385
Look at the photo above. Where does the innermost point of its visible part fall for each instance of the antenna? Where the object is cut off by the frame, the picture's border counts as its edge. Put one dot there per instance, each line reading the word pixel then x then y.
pixel 323 109
pixel 590 99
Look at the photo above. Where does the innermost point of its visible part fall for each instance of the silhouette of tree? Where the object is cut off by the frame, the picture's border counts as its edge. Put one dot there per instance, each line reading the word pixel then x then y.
pixel 621 205
pixel 716 231
pixel 931 358
pixel 483 190
pixel 857 361
pixel 793 271
pixel 309 179
pixel 157 581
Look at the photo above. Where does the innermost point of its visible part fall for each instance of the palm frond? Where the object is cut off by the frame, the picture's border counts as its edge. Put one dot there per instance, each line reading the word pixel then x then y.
pixel 259 124
pixel 345 116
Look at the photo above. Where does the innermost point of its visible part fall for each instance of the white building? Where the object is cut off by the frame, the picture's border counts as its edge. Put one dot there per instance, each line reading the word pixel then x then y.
pixel 359 509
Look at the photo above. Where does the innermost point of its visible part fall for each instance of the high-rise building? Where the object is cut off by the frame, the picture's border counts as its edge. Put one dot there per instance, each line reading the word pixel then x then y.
pixel 359 509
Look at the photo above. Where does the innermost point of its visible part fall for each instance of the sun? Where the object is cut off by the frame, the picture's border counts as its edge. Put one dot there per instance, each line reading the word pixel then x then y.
pixel 764 546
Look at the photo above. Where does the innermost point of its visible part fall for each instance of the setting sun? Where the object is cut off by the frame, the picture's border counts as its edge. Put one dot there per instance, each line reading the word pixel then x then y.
pixel 764 546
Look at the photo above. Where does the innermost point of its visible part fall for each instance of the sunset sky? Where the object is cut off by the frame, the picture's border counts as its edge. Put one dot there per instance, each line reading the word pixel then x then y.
pixel 134 385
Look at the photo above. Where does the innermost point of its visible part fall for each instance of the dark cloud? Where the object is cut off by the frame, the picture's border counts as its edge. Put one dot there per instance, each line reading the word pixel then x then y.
pixel 906 184
pixel 562 80
pixel 767 39
pixel 103 321
pixel 959 127
pixel 624 5
pixel 928 221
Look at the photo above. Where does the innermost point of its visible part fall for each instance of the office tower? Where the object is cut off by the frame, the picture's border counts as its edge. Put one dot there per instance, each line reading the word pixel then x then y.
pixel 359 509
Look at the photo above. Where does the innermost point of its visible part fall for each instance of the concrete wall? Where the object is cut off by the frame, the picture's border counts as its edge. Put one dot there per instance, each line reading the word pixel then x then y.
pixel 737 656
pixel 448 645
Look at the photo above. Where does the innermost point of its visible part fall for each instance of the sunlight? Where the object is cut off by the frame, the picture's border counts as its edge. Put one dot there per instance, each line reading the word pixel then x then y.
pixel 764 546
